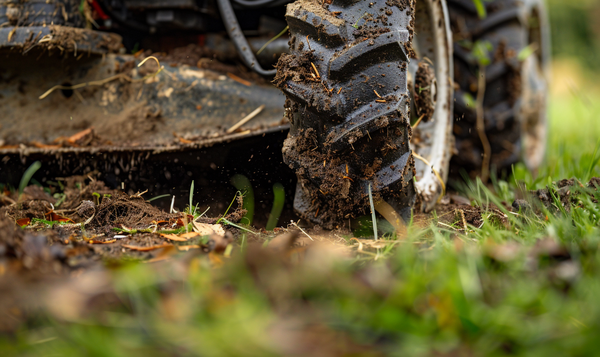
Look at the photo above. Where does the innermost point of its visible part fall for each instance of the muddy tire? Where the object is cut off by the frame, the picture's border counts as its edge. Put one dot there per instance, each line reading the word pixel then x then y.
pixel 515 91
pixel 348 105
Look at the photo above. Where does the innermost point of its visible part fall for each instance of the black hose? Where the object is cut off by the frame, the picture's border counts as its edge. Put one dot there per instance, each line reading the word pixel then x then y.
pixel 239 40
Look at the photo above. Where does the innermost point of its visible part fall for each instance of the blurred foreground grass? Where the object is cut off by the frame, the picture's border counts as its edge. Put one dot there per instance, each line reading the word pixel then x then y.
pixel 520 285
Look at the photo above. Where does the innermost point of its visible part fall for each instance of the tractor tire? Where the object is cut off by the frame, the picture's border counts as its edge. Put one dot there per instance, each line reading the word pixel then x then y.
pixel 349 107
pixel 515 97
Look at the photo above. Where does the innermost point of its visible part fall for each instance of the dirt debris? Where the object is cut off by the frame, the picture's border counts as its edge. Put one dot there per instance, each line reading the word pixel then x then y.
pixel 122 209
pixel 296 68
pixel 565 194
pixel 424 94
pixel 334 183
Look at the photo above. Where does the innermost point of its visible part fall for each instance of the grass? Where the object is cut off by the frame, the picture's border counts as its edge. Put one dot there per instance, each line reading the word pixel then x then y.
pixel 525 285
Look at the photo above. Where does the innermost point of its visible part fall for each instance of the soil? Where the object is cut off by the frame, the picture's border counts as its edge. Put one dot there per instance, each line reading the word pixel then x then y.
pixel 424 96
pixel 332 197
pixel 296 68
pixel 104 234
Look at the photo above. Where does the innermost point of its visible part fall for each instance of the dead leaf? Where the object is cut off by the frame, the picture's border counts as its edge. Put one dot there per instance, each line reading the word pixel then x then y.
pixel 181 223
pixel 188 235
pixel 51 216
pixel 205 229
pixel 23 221
pixel 181 237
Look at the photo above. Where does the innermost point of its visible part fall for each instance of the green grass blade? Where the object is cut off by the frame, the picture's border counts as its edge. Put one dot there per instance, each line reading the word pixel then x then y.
pixel 278 201
pixel 373 212
pixel 31 170
pixel 191 204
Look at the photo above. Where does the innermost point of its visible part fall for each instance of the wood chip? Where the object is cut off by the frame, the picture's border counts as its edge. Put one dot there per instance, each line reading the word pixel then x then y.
pixel 246 119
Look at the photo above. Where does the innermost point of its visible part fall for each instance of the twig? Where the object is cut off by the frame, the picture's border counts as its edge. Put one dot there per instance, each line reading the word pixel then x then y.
pixel 462 216
pixel 487 149
pixel 418 121
pixel 302 230
pixel 360 248
pixel 316 71
pixel 106 80
pixel 373 212
pixel 246 119
pixel 238 79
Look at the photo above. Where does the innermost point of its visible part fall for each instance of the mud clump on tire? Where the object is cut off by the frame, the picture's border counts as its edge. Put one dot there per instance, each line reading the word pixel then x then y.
pixel 294 67
pixel 332 183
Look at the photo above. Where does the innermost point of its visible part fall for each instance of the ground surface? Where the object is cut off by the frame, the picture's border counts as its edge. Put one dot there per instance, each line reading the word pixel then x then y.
pixel 495 270
pixel 91 261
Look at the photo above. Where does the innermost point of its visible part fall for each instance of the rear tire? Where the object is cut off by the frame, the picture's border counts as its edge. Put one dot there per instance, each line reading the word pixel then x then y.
pixel 349 104
pixel 516 90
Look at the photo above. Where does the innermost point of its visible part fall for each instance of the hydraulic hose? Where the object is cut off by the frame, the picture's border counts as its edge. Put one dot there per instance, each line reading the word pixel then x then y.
pixel 239 40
